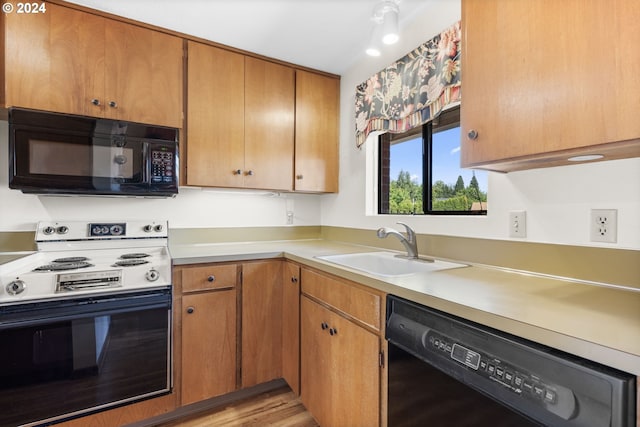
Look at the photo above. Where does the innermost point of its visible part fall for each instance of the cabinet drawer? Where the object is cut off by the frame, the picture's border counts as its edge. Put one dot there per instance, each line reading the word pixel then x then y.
pixel 354 301
pixel 209 277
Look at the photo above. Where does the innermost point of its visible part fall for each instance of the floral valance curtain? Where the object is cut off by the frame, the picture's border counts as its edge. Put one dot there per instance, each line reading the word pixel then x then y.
pixel 412 90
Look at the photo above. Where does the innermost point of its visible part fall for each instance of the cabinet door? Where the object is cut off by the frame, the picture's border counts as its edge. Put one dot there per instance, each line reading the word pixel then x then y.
pixel 316 159
pixel 546 76
pixel 340 369
pixel 54 61
pixel 315 362
pixel 291 326
pixel 27 60
pixel 77 62
pixel 269 125
pixel 261 322
pixel 215 125
pixel 208 345
pixel 143 75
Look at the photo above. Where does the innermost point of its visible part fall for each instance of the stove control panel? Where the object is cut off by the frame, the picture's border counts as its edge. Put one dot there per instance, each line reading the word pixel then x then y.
pixel 76 231
pixel 118 229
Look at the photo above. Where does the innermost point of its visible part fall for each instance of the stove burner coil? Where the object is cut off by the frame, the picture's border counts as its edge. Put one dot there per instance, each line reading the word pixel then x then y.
pixel 71 259
pixel 134 255
pixel 63 266
pixel 130 262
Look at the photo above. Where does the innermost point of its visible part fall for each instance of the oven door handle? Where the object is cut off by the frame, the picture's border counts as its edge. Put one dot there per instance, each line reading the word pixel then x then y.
pixel 33 313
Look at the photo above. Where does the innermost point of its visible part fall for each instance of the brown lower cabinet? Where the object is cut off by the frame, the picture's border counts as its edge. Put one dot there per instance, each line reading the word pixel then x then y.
pixel 208 345
pixel 340 365
pixel 291 326
pixel 261 322
pixel 208 331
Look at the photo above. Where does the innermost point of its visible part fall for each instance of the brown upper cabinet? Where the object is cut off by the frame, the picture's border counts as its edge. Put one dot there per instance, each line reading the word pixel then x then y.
pixel 240 120
pixel 544 81
pixel 74 62
pixel 248 116
pixel 317 110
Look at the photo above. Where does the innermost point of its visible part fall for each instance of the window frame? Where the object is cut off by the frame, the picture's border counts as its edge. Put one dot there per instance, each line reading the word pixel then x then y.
pixel 448 119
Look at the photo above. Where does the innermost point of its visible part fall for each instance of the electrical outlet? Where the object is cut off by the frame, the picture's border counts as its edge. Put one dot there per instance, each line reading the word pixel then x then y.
pixel 604 225
pixel 518 224
pixel 289 218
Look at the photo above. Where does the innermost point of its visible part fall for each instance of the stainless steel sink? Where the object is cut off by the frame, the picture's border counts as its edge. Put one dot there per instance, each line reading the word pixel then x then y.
pixel 388 264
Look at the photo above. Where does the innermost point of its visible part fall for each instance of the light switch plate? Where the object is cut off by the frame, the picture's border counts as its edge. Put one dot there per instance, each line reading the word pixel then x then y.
pixel 518 224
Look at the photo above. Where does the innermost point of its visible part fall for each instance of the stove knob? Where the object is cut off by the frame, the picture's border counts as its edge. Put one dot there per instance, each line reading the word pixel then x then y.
pixel 49 230
pixel 158 228
pixel 63 229
pixel 147 228
pixel 152 275
pixel 16 287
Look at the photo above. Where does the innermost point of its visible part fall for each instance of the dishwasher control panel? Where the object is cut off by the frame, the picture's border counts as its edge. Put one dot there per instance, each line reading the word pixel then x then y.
pixel 555 398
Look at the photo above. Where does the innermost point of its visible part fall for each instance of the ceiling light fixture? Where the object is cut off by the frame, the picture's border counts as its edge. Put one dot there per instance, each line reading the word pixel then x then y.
pixel 390 33
pixel 385 26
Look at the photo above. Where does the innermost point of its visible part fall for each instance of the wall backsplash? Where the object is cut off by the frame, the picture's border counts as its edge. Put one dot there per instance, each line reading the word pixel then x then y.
pixel 193 207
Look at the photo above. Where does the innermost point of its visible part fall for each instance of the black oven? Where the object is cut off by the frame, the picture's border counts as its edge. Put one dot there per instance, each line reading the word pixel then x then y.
pixel 64 358
pixel 52 153
pixel 447 371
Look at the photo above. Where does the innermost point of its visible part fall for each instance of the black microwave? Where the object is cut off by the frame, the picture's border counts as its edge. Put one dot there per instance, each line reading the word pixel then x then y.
pixel 51 153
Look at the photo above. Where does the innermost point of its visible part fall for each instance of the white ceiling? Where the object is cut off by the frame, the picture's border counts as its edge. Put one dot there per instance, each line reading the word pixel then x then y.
pixel 327 35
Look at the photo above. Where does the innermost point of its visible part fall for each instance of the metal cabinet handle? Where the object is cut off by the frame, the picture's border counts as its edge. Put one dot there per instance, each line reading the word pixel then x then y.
pixel 211 278
pixel 95 101
pixel 294 279
pixel 250 173
pixel 190 310
pixel 299 176
pixel 333 331
pixel 113 104
pixel 472 134
pixel 237 172
pixel 324 325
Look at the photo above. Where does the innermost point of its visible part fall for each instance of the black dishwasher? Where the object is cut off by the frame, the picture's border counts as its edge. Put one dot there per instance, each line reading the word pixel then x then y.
pixel 447 371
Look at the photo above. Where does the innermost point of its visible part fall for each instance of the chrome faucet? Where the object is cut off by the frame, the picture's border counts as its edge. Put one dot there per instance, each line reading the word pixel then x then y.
pixel 409 242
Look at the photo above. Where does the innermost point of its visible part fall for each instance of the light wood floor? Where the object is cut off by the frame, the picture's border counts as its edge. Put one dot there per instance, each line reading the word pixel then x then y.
pixel 278 407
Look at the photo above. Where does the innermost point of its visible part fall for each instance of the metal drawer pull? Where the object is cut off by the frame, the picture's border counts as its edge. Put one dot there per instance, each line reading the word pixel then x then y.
pixel 190 310
pixel 211 278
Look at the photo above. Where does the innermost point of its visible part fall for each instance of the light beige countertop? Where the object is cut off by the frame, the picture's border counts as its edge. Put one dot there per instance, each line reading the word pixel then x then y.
pixel 596 322
pixel 7 257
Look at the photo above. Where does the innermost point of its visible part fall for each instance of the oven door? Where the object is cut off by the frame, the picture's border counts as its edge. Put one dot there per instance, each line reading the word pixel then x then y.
pixel 65 358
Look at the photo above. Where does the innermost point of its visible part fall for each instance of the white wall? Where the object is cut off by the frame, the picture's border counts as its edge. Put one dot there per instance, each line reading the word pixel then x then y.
pixel 557 200
pixel 193 207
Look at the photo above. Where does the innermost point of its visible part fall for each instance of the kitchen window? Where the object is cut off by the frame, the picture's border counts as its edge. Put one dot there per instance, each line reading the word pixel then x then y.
pixel 419 172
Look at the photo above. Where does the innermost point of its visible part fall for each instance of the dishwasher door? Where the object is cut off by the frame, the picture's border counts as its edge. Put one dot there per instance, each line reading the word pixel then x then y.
pixel 447 371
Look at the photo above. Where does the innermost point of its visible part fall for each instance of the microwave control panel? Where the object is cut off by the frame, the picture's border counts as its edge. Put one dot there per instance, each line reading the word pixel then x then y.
pixel 162 167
